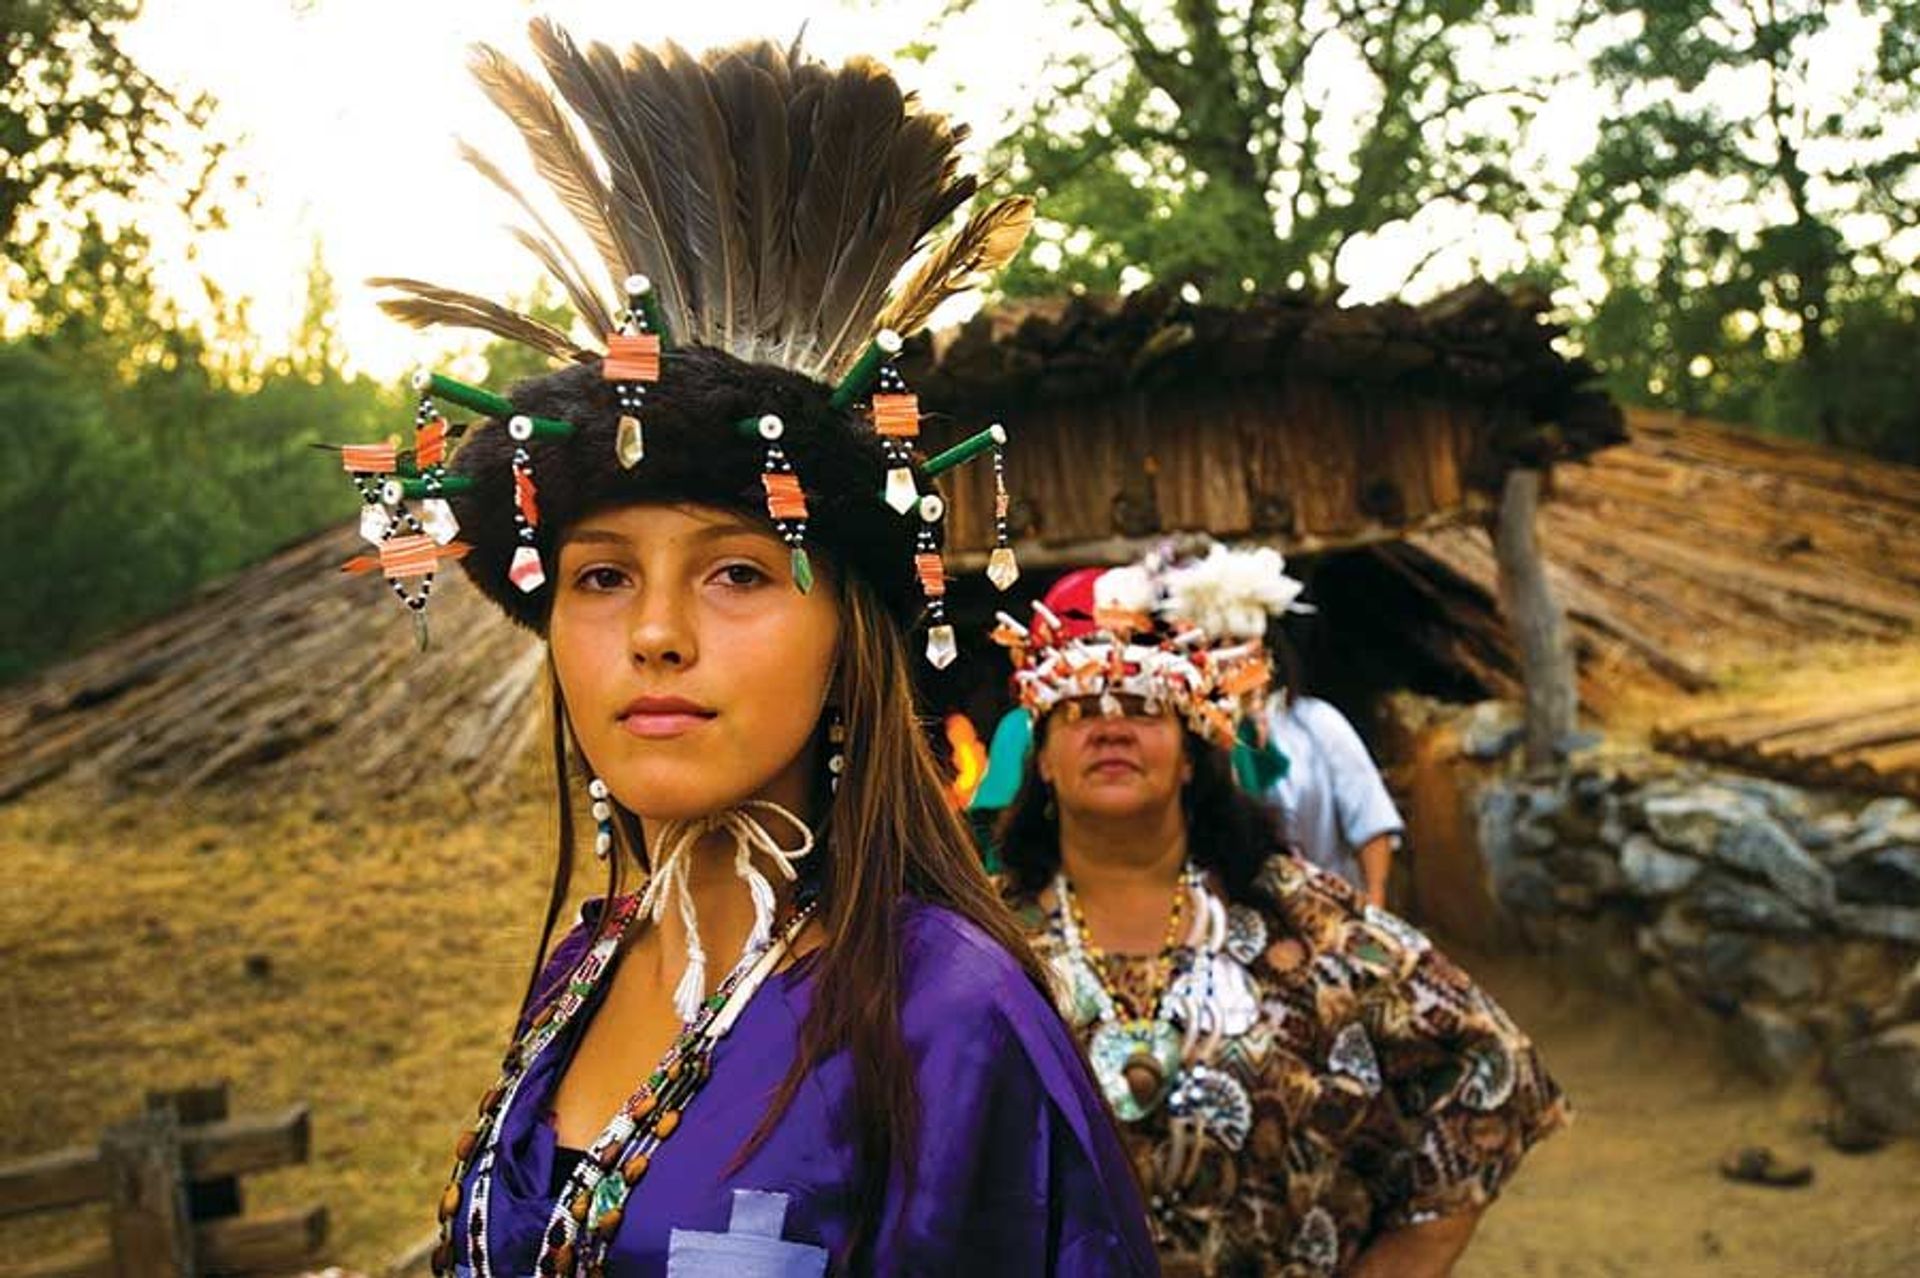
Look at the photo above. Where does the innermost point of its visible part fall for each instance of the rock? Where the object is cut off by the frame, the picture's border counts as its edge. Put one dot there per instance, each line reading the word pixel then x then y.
pixel 1819 834
pixel 1878 1080
pixel 1905 1003
pixel 1725 901
pixel 1770 1043
pixel 1716 970
pixel 1886 812
pixel 1787 972
pixel 1535 834
pixel 1491 731
pixel 1575 897
pixel 1851 1134
pixel 1887 922
pixel 1650 870
pixel 1676 930
pixel 1691 821
pixel 1496 809
pixel 1761 847
pixel 1593 867
pixel 1527 889
pixel 1780 800
pixel 1889 876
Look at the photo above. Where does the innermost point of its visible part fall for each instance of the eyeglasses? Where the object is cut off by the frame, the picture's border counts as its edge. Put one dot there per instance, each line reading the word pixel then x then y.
pixel 1112 705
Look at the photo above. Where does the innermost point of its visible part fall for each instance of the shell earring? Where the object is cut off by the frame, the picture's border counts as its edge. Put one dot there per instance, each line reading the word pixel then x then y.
pixel 602 818
pixel 836 748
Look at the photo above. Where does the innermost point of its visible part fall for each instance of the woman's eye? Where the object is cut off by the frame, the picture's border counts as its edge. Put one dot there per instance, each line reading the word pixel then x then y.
pixel 601 578
pixel 742 575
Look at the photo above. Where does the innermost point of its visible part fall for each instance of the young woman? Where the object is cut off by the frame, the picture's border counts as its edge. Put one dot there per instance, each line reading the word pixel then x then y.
pixel 814 1041
pixel 1308 1087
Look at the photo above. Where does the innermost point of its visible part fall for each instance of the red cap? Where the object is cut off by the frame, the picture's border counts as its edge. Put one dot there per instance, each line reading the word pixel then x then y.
pixel 1071 599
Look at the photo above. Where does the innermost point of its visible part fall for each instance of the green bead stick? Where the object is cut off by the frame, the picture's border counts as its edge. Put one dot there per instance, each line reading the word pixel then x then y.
pixel 415 489
pixel 472 397
pixel 523 428
pixel 766 426
pixel 885 345
pixel 640 295
pixel 966 450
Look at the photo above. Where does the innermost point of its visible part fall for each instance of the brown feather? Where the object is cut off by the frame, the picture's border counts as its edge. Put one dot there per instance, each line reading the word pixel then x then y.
pixel 558 156
pixel 965 260
pixel 430 304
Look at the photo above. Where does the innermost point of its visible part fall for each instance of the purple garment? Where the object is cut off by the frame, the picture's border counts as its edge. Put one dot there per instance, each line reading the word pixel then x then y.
pixel 1020 1170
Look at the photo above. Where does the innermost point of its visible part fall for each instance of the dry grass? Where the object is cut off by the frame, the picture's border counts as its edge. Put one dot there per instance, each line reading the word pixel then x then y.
pixel 398 945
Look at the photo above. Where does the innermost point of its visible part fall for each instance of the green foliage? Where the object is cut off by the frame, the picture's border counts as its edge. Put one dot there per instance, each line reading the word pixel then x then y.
pixel 137 475
pixel 82 127
pixel 1745 203
pixel 1205 139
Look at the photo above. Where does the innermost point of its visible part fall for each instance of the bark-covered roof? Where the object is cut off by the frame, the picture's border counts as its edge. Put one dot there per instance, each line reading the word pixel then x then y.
pixel 1475 343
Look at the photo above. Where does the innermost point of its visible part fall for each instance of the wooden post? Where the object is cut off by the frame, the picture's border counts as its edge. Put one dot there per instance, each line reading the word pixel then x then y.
pixel 219 1197
pixel 1535 620
pixel 151 1235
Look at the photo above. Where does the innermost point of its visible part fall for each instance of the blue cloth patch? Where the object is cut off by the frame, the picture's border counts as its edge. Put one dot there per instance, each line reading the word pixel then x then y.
pixel 751 1247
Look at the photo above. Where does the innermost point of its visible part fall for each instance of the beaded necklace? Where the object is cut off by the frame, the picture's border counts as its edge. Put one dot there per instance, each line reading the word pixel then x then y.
pixel 1162 960
pixel 1137 1059
pixel 589 1208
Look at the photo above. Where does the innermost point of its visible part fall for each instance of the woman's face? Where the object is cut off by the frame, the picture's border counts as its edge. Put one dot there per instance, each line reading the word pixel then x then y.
pixel 694 672
pixel 1131 765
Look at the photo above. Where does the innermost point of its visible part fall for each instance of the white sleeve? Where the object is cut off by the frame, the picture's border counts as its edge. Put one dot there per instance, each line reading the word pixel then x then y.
pixel 1360 795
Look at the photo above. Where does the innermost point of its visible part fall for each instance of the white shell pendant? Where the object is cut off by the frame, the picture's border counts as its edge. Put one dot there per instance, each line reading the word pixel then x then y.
pixel 374 522
pixel 901 494
pixel 436 516
pixel 1002 568
pixel 526 571
pixel 942 647
pixel 630 442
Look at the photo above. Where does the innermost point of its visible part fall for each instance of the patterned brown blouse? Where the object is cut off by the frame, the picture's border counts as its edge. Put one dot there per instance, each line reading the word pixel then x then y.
pixel 1363 1084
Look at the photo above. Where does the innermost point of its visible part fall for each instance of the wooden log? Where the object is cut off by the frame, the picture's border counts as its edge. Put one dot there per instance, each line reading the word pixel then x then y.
pixel 1539 629
pixel 266 1243
pixel 243 1145
pixel 63 1178
pixel 149 1233
pixel 90 1261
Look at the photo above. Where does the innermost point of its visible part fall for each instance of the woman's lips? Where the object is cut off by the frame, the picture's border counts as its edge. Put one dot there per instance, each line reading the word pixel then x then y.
pixel 668 724
pixel 657 717
pixel 1112 767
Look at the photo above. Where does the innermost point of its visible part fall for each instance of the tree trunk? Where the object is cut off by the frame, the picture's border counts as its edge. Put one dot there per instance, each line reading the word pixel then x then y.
pixel 1534 616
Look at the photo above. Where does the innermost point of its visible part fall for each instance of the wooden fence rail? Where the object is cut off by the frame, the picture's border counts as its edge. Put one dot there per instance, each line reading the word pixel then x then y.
pixel 170 1182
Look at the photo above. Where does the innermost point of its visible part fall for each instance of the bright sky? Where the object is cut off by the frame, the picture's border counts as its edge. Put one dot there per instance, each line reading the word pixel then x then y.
pixel 347 111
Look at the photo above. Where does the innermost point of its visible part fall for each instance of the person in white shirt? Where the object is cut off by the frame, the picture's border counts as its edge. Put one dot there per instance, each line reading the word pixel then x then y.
pixel 1335 804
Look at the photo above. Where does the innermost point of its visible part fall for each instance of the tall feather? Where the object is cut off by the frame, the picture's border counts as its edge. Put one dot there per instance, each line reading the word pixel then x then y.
pixel 964 261
pixel 558 156
pixel 772 200
pixel 549 248
pixel 594 85
pixel 429 305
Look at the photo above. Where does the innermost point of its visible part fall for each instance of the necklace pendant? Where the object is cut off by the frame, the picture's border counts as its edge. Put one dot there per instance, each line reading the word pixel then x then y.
pixel 1137 1063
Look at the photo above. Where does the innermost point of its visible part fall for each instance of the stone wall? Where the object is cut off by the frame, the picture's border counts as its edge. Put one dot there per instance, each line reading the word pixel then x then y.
pixel 1785 921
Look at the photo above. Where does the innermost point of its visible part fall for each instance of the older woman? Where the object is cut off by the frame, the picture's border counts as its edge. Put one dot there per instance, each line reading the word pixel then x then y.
pixel 1307 1086
pixel 814 1039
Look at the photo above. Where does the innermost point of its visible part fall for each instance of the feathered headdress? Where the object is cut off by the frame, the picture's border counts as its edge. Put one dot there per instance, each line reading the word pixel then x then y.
pixel 1185 633
pixel 753 210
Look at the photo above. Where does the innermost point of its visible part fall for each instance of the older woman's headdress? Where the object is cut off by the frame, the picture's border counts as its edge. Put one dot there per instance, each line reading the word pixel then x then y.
pixel 1183 633
pixel 752 210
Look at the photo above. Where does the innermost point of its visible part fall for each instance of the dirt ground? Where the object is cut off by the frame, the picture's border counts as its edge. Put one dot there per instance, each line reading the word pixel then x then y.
pixel 1633 1186
pixel 366 963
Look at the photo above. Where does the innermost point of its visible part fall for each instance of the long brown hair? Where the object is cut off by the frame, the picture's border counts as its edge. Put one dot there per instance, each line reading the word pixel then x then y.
pixel 1228 830
pixel 889 833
